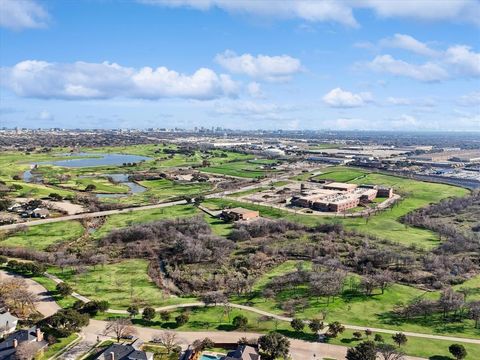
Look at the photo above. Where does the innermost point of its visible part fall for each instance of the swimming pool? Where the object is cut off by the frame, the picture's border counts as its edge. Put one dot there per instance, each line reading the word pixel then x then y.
pixel 210 357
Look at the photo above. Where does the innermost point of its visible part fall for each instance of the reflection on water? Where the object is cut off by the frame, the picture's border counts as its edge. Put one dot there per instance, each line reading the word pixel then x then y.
pixel 92 159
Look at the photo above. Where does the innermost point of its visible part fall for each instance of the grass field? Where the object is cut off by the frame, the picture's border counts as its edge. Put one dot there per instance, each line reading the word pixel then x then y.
pixel 340 175
pixel 218 318
pixel 386 224
pixel 374 311
pixel 39 237
pixel 121 284
pixel 245 169
pixel 102 185
pixel 164 188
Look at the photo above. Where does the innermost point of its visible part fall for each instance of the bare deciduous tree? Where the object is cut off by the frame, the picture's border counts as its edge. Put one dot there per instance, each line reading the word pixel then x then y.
pixel 120 328
pixel 167 339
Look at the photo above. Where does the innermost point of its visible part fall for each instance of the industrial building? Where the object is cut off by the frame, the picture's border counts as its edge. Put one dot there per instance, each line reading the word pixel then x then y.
pixel 339 197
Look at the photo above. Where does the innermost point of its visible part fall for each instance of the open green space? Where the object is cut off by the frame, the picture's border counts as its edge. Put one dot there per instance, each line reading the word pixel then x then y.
pixel 244 169
pixel 40 237
pixel 427 348
pixel 102 185
pixel 375 311
pixel 343 175
pixel 220 318
pixel 121 284
pixel 385 224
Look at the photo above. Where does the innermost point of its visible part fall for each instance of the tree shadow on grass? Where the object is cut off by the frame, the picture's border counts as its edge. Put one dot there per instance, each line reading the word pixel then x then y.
pixel 439 357
pixel 436 323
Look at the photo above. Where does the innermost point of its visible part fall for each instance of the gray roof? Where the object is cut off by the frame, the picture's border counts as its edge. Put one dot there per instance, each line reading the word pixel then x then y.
pixel 243 352
pixel 123 352
pixel 7 351
pixel 7 319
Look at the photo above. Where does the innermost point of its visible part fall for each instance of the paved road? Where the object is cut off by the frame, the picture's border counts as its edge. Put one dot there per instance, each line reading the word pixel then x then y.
pixel 92 214
pixel 288 319
pixel 299 349
pixel 46 305
pixel 281 318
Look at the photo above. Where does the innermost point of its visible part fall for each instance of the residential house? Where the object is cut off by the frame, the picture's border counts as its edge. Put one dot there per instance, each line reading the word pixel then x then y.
pixel 125 352
pixel 243 352
pixel 8 347
pixel 8 323
pixel 240 214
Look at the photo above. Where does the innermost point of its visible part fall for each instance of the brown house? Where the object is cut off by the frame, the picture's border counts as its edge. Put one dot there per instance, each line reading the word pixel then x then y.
pixel 240 214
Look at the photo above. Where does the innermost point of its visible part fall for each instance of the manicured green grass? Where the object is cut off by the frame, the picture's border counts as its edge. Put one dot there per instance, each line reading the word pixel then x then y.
pixel 343 175
pixel 121 284
pixel 58 347
pixel 102 185
pixel 375 311
pixel 36 190
pixel 39 237
pixel 245 169
pixel 415 346
pixel 415 194
pixel 217 318
pixel 164 188
pixel 137 217
pixel 386 224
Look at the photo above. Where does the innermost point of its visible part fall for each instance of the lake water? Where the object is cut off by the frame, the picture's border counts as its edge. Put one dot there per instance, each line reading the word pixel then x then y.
pixel 92 159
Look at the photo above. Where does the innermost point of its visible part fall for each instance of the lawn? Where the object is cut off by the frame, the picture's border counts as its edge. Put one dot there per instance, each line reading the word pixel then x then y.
pixel 40 237
pixel 384 225
pixel 121 284
pixel 415 194
pixel 245 169
pixel 163 188
pixel 59 346
pixel 374 311
pixel 340 175
pixel 220 318
pixel 415 346
pixel 102 185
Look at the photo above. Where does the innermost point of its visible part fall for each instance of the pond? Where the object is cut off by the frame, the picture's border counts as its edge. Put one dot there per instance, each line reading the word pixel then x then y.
pixel 93 159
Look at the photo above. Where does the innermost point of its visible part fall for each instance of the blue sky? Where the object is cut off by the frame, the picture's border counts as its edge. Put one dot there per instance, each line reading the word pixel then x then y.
pixel 352 64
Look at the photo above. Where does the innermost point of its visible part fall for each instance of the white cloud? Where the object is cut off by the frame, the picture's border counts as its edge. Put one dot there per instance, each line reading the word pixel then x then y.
pixel 398 101
pixel 429 10
pixel 472 99
pixel 270 68
pixel 345 99
pixel 335 11
pixel 45 115
pixel 255 89
pixel 464 60
pixel 82 80
pixel 22 14
pixel 340 11
pixel 428 72
pixel 407 42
